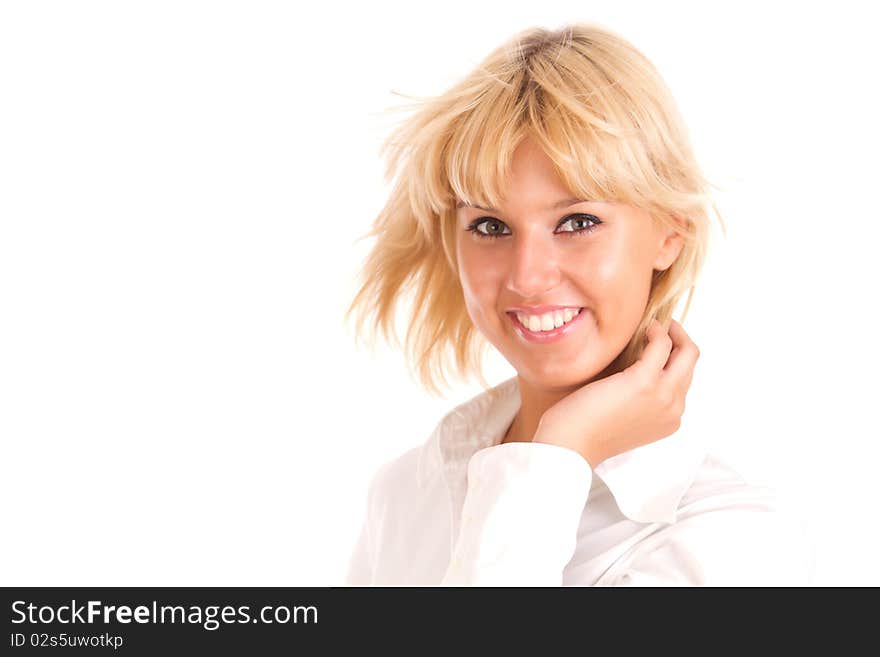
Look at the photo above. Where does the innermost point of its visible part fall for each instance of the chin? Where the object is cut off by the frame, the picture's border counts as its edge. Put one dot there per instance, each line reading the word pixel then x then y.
pixel 561 378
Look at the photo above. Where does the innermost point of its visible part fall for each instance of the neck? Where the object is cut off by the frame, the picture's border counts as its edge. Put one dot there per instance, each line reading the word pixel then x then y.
pixel 535 400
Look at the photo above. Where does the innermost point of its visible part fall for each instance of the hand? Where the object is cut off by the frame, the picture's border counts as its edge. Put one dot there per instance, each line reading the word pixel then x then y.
pixel 637 406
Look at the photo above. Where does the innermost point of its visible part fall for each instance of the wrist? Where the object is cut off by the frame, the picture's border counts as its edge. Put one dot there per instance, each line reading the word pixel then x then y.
pixel 549 438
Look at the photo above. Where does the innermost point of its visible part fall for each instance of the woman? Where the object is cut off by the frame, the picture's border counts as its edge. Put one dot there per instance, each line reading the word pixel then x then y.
pixel 550 205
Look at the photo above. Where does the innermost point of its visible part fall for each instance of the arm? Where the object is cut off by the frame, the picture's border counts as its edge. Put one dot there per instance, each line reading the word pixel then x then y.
pixel 520 516
pixel 523 509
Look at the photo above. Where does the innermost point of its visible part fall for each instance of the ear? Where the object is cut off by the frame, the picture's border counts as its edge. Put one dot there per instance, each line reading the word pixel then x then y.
pixel 670 246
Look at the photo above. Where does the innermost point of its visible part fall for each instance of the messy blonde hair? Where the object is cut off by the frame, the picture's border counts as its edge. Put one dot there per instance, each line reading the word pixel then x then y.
pixel 603 115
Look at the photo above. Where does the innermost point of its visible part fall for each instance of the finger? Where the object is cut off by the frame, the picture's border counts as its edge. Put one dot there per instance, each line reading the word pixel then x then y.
pixel 680 366
pixel 656 352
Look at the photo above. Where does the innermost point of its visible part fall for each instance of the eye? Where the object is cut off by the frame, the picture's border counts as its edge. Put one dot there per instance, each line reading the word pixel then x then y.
pixel 582 224
pixel 587 223
pixel 494 227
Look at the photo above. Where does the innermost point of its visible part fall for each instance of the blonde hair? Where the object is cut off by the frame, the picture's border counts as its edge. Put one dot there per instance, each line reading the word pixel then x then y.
pixel 602 114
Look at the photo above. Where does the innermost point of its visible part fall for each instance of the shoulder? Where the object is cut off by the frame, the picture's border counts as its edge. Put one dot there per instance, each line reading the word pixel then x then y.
pixel 408 471
pixel 719 486
pixel 744 531
pixel 397 472
pixel 728 531
pixel 420 465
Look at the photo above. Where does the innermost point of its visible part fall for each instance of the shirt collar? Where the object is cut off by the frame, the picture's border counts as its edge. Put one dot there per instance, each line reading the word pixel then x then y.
pixel 647 482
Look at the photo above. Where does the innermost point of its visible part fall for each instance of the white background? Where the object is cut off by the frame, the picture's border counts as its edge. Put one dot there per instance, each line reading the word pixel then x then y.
pixel 181 188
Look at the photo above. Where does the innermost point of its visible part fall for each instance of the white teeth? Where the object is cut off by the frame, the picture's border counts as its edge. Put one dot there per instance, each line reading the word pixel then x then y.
pixel 548 321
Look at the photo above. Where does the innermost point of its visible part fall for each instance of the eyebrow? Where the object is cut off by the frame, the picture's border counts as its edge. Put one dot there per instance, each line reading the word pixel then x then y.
pixel 564 203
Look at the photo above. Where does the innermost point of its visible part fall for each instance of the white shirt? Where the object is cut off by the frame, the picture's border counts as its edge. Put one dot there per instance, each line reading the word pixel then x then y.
pixel 463 509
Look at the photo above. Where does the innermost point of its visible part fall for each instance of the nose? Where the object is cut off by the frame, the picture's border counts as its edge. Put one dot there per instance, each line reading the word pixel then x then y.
pixel 535 265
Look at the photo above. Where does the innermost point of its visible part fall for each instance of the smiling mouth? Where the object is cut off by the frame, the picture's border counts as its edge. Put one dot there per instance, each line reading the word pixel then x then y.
pixel 541 336
pixel 548 322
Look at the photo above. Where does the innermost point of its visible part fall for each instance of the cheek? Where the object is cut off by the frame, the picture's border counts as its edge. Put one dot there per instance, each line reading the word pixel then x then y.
pixel 621 283
pixel 618 271
pixel 480 283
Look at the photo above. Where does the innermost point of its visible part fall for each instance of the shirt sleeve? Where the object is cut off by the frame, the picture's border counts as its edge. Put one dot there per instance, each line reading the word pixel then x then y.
pixel 754 546
pixel 520 516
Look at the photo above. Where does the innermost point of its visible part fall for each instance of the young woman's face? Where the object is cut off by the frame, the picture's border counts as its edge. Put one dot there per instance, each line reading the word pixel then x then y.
pixel 591 255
